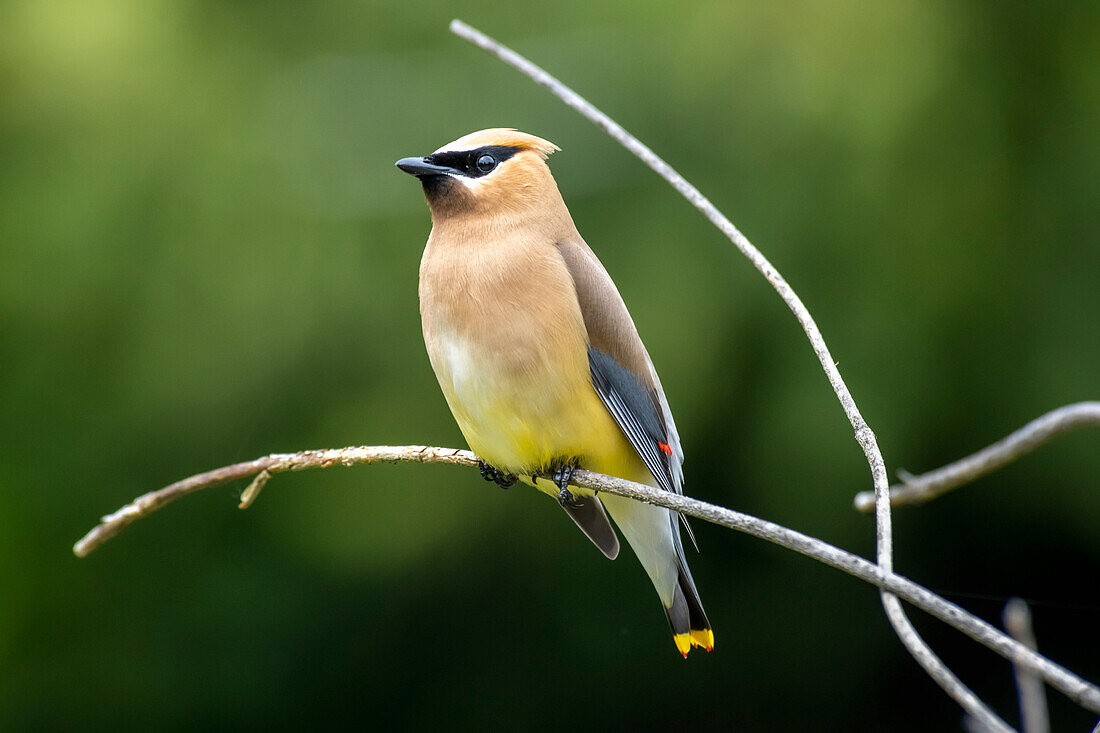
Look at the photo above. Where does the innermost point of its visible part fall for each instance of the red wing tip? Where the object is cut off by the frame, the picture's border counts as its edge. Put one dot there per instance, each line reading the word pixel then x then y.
pixel 665 448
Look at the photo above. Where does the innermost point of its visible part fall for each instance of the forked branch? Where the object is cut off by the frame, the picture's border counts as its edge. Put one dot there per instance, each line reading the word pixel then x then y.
pixel 1077 689
pixel 927 486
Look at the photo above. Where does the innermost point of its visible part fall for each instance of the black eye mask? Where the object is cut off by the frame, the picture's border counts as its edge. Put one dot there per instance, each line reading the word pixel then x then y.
pixel 473 163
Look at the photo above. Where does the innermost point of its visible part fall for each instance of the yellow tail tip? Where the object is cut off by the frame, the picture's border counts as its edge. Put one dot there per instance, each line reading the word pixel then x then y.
pixel 703 638
pixel 698 637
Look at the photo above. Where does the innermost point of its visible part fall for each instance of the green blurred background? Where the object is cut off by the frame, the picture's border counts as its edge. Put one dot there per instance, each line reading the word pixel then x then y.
pixel 208 256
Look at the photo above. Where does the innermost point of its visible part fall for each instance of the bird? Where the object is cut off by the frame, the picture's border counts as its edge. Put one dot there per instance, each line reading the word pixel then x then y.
pixel 539 360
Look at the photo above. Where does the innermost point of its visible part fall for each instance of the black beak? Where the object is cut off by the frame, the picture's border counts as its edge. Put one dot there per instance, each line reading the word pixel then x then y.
pixel 420 167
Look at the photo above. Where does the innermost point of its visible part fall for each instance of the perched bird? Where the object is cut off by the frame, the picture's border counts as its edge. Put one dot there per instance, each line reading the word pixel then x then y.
pixel 539 359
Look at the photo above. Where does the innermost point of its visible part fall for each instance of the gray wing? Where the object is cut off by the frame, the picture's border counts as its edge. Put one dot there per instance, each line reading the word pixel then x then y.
pixel 636 413
pixel 622 372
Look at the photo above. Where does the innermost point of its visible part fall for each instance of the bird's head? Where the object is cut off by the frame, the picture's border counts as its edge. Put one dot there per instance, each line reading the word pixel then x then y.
pixel 490 171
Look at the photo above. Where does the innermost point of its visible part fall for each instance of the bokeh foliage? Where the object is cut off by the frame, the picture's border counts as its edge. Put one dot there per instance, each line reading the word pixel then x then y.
pixel 206 255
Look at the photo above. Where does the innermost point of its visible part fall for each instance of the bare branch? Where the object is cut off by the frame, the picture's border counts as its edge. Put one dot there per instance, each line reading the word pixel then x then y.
pixel 934 666
pixel 146 504
pixel 1077 689
pixel 1029 688
pixel 928 486
pixel 892 586
pixel 252 493
pixel 973 725
pixel 864 436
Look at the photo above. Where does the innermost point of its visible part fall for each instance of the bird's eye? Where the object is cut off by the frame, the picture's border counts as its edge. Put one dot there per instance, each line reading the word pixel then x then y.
pixel 486 163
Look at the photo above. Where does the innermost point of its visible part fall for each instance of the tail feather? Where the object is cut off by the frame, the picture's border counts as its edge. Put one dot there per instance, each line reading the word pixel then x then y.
pixel 654 535
pixel 686 617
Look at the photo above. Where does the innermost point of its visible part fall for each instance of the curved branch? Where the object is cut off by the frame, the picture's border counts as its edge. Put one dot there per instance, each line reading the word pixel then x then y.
pixel 262 469
pixel 864 436
pixel 928 486
pixel 1080 691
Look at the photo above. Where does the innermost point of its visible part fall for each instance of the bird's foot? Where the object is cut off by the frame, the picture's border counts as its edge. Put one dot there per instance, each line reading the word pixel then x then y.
pixel 500 478
pixel 561 476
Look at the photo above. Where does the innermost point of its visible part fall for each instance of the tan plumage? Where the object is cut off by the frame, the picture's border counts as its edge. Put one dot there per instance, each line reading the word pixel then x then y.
pixel 537 355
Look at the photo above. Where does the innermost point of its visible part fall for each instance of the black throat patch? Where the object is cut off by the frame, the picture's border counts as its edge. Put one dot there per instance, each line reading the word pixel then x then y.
pixel 435 186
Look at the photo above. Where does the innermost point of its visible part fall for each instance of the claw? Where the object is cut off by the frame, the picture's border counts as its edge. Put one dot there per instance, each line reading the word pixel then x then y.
pixel 502 479
pixel 566 499
pixel 561 476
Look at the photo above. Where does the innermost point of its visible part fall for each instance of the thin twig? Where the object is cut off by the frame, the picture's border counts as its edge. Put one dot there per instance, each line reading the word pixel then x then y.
pixel 864 436
pixel 1029 688
pixel 252 493
pixel 146 504
pixel 1077 689
pixel 928 486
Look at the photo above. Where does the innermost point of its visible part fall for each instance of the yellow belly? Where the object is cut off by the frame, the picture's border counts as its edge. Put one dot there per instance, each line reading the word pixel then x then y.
pixel 515 438
pixel 524 420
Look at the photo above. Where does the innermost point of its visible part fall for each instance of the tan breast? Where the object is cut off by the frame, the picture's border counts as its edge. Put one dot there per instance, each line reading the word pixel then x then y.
pixel 507 342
